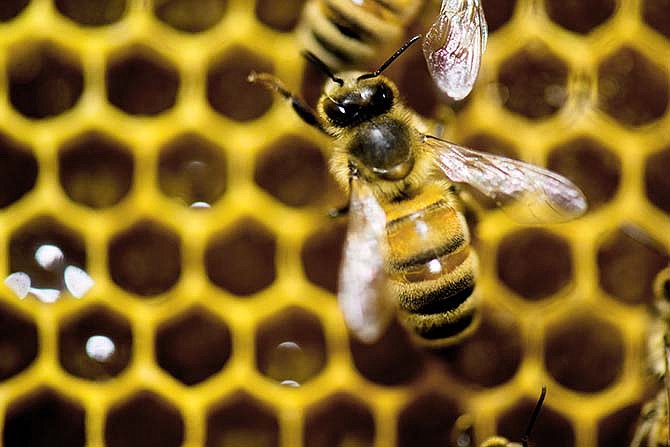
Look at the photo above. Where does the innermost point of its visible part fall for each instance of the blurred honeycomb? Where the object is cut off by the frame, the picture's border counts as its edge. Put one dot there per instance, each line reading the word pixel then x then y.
pixel 134 152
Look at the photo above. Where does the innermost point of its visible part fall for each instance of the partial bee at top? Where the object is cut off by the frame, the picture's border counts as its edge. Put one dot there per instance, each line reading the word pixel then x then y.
pixel 349 33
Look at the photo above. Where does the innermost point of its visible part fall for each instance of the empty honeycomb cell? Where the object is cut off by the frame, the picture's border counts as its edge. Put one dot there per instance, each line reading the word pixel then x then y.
pixel 340 420
pixel 498 13
pixel 534 263
pixel 632 89
pixel 322 253
pixel 584 353
pixel 241 420
pixel 551 429
pixel 92 12
pixel 241 259
pixel 144 419
pixel 279 16
pixel 617 428
pixel 193 170
pixel 11 8
pixel 292 170
pixel 141 82
pixel 533 82
pixel 95 344
pixel 193 346
pixel 44 418
pixel 192 16
pixel 229 92
pixel 628 260
pixel 657 15
pixel 290 347
pixel 45 80
pixel 18 170
pixel 427 421
pixel 491 144
pixel 656 179
pixel 95 170
pixel 594 168
pixel 18 342
pixel 145 259
pixel 580 16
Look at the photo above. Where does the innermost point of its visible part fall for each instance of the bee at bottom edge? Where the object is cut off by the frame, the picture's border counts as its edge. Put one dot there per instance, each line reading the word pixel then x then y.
pixel 408 248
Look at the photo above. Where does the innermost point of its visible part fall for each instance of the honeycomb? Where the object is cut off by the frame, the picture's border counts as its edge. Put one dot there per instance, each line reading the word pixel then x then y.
pixel 135 154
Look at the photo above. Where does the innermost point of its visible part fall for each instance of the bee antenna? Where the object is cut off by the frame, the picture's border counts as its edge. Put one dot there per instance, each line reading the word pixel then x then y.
pixel 533 418
pixel 390 60
pixel 321 65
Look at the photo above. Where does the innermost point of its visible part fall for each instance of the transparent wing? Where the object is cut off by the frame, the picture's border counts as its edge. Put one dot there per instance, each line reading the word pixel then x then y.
pixel 528 193
pixel 362 294
pixel 454 45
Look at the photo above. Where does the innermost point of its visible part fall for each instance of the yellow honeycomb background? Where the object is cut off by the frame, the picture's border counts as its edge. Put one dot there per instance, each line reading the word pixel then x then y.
pixel 196 202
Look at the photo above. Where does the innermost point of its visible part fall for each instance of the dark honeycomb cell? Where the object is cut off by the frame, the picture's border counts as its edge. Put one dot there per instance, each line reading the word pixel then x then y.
pixel 18 170
pixel 498 13
pixel 44 418
pixel 92 12
pixel 338 421
pixel 551 429
pixel 95 170
pixel 193 346
pixel 141 82
pixel 11 8
pixel 628 261
pixel 312 84
pixel 192 169
pixel 580 16
pixel 290 347
pixel 617 428
pixel 145 259
pixel 657 15
pixel 533 81
pixel 534 263
pixel 632 89
pixel 18 342
pixel 322 253
pixel 143 420
pixel 427 421
pixel 44 79
pixel 241 260
pixel 191 16
pixel 657 180
pixel 282 16
pixel 292 170
pixel 584 353
pixel 83 344
pixel 229 92
pixel 491 144
pixel 241 420
pixel 591 166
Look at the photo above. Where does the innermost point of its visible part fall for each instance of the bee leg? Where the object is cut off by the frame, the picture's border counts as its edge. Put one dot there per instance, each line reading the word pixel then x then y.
pixel 337 212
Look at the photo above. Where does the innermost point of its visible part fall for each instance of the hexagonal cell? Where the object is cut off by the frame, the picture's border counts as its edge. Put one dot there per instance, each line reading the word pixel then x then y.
pixel 339 420
pixel 191 16
pixel 192 169
pixel 491 144
pixel 656 179
pixel 551 429
pixel 591 166
pixel 498 13
pixel 241 259
pixel 139 81
pixel 44 418
pixel 18 170
pixel 580 16
pixel 193 346
pixel 95 344
pixel 321 255
pixel 95 169
pixel 229 92
pixel 533 82
pixel 242 420
pixel 632 89
pixel 628 261
pixel 293 170
pixel 92 12
pixel 18 342
pixel 12 8
pixel 427 420
pixel 282 17
pixel 534 263
pixel 584 353
pixel 617 428
pixel 291 347
pixel 44 79
pixel 657 15
pixel 145 259
pixel 144 419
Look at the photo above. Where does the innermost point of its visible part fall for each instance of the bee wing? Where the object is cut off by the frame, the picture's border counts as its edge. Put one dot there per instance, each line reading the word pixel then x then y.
pixel 362 294
pixel 528 193
pixel 454 45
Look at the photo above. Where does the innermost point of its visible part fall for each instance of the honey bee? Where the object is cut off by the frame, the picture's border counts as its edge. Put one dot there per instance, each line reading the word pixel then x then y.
pixel 407 248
